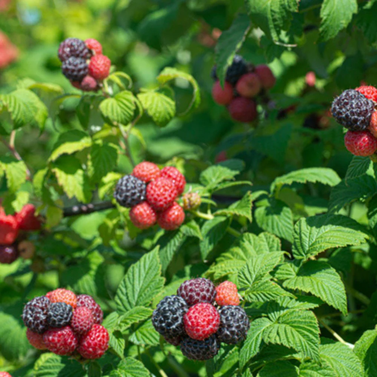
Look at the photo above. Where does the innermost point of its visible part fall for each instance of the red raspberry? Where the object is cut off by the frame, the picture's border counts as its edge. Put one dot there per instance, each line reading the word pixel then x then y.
pixel 143 216
pixel 266 76
pixel 172 218
pixel 35 339
pixel 5 374
pixel 27 220
pixel 310 78
pixel 369 92
pixel 161 193
pixel 249 85
pixel 373 124
pixel 191 200
pixel 197 290
pixel 8 229
pixel 89 302
pixel 8 254
pixel 243 109
pixel 26 249
pixel 227 294
pixel 201 321
pixel 82 320
pixel 61 341
pixel 99 67
pixel 95 343
pixel 88 84
pixel 146 171
pixel 63 295
pixel 220 95
pixel 176 176
pixel 94 45
pixel 221 156
pixel 360 143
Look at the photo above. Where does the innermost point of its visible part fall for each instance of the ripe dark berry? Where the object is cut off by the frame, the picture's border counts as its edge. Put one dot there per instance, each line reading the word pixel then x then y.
pixel 59 314
pixel 200 349
pixel 167 319
pixel 8 254
pixel 75 69
pixel 234 324
pixel 89 302
pixel 73 47
pixel 352 110
pixel 174 341
pixel 237 69
pixel 35 314
pixel 197 290
pixel 130 191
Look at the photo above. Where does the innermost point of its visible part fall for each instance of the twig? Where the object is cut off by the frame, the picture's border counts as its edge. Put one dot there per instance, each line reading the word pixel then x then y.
pixel 162 373
pixel 335 335
pixel 84 209
pixel 127 148
pixel 360 296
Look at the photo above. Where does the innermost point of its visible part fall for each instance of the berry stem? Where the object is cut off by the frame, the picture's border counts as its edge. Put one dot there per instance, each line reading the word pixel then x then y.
pixel 334 334
pixel 234 232
pixel 84 209
pixel 353 292
pixel 160 371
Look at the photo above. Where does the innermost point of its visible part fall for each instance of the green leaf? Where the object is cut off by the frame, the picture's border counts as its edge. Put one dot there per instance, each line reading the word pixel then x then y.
pixel 169 74
pixel 213 231
pixel 239 208
pixel 94 369
pixel 272 16
pixel 117 343
pixel 325 176
pixel 141 283
pixel 72 178
pixel 160 107
pixel 104 159
pixel 280 369
pixel 321 280
pixel 118 109
pixel 228 44
pixel 225 185
pixel 135 315
pixel 192 229
pixel 312 235
pixel 265 290
pixel 130 367
pixel 372 215
pixel 366 351
pixel 295 329
pixel 51 365
pixel 358 167
pixel 253 340
pixel 15 172
pixel 345 193
pixel 365 21
pixel 169 244
pixel 25 108
pixel 145 335
pixel 336 15
pixel 70 142
pixel 276 218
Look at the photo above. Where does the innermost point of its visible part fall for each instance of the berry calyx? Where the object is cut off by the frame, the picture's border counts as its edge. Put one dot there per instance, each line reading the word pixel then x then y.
pixel 63 295
pixel 61 341
pixel 222 95
pixel 94 343
pixel 94 45
pixel 172 218
pixel 8 229
pixel 368 91
pixel 82 320
pixel 249 85
pixel 197 290
pixel 130 191
pixel 89 302
pixel 234 324
pixel 191 200
pixel 99 67
pixel 27 220
pixel 265 75
pixel 227 294
pixel 161 193
pixel 146 171
pixel 143 216
pixel 172 173
pixel 243 109
pixel 361 143
pixel 36 340
pixel 200 350
pixel 201 321
pixel 8 254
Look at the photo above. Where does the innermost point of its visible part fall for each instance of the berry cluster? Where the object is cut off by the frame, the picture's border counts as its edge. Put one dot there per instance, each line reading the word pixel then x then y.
pixel 191 320
pixel 5 374
pixel 64 323
pixel 83 63
pixel 243 84
pixel 151 194
pixel 355 110
pixel 12 244
pixel 8 51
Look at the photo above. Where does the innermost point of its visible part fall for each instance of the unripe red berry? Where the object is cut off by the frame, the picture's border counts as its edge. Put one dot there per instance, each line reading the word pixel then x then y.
pixel 266 76
pixel 360 143
pixel 243 109
pixel 220 95
pixel 249 85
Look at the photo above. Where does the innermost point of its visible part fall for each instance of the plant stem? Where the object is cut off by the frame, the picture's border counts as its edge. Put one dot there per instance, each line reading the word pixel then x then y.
pixel 335 335
pixel 360 296
pixel 177 367
pixel 234 232
pixel 127 148
pixel 84 209
pixel 162 373
pixel 205 216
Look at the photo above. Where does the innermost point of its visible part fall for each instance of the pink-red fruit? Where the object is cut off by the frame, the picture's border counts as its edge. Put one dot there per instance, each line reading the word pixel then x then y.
pixel 369 92
pixel 36 340
pixel 373 124
pixel 266 76
pixel 94 45
pixel 172 218
pixel 249 85
pixel 143 216
pixel 82 320
pixel 95 343
pixel 61 341
pixel 227 294
pixel 172 173
pixel 220 95
pixel 89 84
pixel 8 229
pixel 360 143
pixel 27 220
pixel 243 109
pixel 99 67
pixel 161 193
pixel 146 171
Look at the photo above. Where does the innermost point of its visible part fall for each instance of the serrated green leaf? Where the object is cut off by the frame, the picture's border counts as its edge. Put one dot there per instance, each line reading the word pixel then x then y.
pixel 325 176
pixel 169 243
pixel 213 231
pixel 135 315
pixel 70 142
pixel 51 365
pixel 239 208
pixel 94 369
pixel 365 21
pixel 321 280
pixel 130 367
pixel 119 109
pixel 226 185
pixel 372 215
pixel 108 184
pixel 117 343
pixel 276 218
pixel 315 234
pixel 336 15
pixel 160 107
pixel 141 283
pixel 192 229
pixel 145 335
pixel 366 350
pixel 279 369
pixel 228 44
pixel 265 290
pixel 104 157
pixel 15 172
pixel 359 166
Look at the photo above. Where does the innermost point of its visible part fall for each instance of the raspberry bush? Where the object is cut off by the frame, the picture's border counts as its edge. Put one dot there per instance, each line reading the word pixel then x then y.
pixel 188 188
